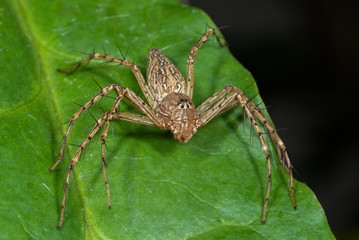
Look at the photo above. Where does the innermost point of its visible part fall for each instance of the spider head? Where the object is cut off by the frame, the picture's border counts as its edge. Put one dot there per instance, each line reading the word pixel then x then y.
pixel 180 116
pixel 184 120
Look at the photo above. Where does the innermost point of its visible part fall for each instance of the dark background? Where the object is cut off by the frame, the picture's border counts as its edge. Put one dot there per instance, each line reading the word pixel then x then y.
pixel 304 55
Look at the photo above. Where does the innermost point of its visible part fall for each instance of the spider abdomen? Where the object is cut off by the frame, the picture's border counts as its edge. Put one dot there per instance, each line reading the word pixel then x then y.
pixel 163 77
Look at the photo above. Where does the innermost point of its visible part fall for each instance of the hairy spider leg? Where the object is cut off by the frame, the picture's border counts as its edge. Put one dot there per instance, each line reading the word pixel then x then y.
pixel 98 96
pixel 281 149
pixel 119 98
pixel 231 96
pixel 121 92
pixel 135 118
pixel 134 99
pixel 136 71
pixel 191 58
pixel 95 129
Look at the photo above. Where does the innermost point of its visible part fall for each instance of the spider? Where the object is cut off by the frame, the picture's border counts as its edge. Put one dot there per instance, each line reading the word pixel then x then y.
pixel 170 107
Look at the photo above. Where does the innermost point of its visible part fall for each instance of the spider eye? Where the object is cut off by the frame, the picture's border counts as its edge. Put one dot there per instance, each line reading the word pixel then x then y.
pixel 181 101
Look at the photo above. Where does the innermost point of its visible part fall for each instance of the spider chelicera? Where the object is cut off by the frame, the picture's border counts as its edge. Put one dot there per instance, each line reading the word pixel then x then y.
pixel 170 107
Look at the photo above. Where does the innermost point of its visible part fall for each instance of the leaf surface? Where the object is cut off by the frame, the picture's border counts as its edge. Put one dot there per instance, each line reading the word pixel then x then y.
pixel 210 188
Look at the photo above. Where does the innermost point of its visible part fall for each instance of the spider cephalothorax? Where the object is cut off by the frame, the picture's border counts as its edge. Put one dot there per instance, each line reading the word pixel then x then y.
pixel 179 115
pixel 170 107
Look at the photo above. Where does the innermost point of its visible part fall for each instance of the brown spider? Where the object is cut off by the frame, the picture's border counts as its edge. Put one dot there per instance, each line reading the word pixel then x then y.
pixel 170 107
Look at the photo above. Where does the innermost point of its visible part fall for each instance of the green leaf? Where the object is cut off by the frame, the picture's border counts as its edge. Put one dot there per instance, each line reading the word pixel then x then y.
pixel 210 188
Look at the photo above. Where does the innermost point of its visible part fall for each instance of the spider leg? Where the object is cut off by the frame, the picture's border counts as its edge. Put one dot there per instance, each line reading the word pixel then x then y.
pixel 136 71
pixel 98 96
pixel 150 119
pixel 205 106
pixel 95 129
pixel 243 101
pixel 211 101
pixel 281 149
pixel 103 140
pixel 191 56
pixel 131 117
pixel 141 105
pixel 231 96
